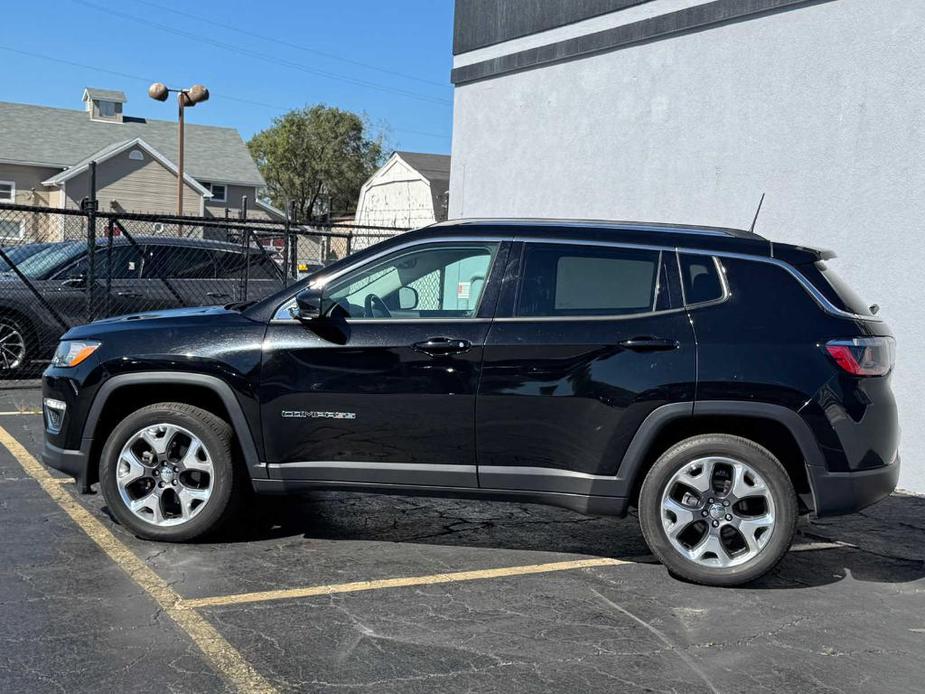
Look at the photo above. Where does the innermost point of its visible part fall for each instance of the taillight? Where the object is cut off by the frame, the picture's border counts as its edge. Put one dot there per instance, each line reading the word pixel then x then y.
pixel 863 356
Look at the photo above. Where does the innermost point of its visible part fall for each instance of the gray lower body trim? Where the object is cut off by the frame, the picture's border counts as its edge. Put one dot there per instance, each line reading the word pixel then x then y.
pixel 543 479
pixel 661 27
pixel 414 474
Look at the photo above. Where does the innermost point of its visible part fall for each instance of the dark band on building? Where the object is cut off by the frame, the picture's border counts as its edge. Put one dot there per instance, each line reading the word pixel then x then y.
pixel 663 26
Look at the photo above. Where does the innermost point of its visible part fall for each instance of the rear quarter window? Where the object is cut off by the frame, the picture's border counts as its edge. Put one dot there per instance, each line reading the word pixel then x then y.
pixel 701 279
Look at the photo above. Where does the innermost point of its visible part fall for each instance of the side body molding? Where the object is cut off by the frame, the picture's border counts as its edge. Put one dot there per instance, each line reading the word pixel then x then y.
pixel 216 385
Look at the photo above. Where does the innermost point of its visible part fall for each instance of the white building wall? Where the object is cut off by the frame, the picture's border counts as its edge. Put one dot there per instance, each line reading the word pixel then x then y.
pixel 822 107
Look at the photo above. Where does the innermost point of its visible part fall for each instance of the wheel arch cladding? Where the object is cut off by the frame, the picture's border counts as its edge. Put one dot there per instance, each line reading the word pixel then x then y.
pixel 776 428
pixel 126 393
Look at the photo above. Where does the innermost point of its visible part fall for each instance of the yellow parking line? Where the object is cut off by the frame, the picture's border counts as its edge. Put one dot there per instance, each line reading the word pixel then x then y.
pixel 19 412
pixel 396 583
pixel 226 661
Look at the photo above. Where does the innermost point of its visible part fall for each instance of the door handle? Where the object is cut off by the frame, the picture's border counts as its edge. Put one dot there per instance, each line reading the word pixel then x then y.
pixel 218 295
pixel 649 344
pixel 128 295
pixel 438 346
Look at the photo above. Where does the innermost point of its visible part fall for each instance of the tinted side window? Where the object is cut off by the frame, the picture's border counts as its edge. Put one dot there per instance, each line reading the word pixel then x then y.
pixel 126 264
pixel 263 267
pixel 700 278
pixel 572 280
pixel 230 265
pixel 178 262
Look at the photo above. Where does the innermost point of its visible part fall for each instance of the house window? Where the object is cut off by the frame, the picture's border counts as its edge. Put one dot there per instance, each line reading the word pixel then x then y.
pixel 136 155
pixel 12 228
pixel 107 109
pixel 7 191
pixel 218 191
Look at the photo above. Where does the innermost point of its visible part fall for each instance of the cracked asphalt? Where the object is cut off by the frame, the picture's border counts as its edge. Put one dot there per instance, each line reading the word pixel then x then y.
pixel 844 612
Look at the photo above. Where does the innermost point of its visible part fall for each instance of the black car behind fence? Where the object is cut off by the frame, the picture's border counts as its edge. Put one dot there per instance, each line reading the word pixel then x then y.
pixel 64 267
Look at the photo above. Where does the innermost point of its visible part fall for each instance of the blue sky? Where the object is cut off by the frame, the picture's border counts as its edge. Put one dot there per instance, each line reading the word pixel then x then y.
pixel 388 59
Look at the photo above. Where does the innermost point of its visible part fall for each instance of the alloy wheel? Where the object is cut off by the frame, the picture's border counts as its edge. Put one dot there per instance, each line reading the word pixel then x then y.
pixel 12 347
pixel 717 512
pixel 164 475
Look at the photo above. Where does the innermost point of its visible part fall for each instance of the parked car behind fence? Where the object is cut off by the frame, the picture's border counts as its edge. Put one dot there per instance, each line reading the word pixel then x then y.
pixel 50 281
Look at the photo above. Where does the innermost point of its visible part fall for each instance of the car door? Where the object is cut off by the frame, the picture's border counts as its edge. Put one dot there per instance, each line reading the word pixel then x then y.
pixel 588 340
pixel 115 270
pixel 383 390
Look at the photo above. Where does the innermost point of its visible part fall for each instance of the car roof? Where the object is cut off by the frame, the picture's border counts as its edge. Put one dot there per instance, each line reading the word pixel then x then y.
pixel 653 233
pixel 172 241
pixel 614 225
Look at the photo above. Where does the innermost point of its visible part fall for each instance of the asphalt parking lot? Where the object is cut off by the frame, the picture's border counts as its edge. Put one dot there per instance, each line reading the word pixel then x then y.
pixel 354 592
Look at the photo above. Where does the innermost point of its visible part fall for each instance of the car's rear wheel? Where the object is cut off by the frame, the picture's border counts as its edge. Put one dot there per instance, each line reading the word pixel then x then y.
pixel 168 472
pixel 718 509
pixel 13 346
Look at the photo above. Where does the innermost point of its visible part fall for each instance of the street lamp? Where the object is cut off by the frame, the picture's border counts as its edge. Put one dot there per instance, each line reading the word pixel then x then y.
pixel 185 97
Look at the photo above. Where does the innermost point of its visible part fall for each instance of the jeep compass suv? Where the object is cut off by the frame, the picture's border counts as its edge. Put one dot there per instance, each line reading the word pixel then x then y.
pixel 719 382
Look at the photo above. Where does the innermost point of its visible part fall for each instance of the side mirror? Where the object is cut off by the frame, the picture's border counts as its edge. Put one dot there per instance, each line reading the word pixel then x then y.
pixel 407 298
pixel 308 305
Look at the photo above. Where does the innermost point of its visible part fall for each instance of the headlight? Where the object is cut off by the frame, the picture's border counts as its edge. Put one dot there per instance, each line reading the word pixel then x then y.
pixel 72 352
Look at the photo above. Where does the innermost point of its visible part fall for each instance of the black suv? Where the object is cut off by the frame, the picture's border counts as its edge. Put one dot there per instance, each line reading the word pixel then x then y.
pixel 720 383
pixel 152 273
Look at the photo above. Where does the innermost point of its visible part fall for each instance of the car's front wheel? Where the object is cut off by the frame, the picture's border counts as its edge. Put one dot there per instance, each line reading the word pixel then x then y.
pixel 167 472
pixel 718 509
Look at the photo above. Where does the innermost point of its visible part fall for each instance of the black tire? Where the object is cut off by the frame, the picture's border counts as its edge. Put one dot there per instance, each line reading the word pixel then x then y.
pixel 10 325
pixel 228 478
pixel 776 480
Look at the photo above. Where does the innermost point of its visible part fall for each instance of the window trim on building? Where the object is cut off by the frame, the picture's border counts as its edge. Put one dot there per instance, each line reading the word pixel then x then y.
pixel 22 229
pixel 216 198
pixel 12 185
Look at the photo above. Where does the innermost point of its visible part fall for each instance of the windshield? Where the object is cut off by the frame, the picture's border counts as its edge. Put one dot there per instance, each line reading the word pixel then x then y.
pixel 17 254
pixel 39 265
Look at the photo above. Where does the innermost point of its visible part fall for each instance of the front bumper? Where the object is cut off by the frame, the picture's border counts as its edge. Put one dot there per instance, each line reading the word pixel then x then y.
pixel 839 493
pixel 68 461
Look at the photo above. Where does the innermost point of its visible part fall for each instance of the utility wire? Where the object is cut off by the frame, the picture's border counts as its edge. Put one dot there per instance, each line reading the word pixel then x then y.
pixel 149 80
pixel 282 42
pixel 265 56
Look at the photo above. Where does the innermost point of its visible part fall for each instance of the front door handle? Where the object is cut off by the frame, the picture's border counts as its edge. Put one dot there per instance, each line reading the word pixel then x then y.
pixel 439 346
pixel 128 294
pixel 218 295
pixel 649 344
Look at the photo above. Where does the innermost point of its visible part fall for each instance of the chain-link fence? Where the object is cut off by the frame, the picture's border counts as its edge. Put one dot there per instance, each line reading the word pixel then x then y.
pixel 61 268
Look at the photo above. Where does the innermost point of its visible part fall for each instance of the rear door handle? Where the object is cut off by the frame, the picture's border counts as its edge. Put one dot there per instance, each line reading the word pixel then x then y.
pixel 218 295
pixel 438 346
pixel 128 295
pixel 649 344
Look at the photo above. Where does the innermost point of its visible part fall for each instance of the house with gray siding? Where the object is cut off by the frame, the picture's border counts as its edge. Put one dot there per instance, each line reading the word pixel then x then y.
pixel 688 110
pixel 45 155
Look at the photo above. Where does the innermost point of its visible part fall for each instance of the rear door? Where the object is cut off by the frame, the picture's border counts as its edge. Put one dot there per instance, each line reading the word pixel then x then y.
pixel 177 275
pixel 588 340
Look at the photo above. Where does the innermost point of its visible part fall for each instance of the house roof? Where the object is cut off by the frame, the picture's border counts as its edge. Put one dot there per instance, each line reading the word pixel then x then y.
pixel 112 150
pixel 436 169
pixel 57 137
pixel 105 95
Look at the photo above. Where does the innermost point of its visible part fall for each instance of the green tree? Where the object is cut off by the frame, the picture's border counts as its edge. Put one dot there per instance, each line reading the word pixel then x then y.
pixel 317 157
